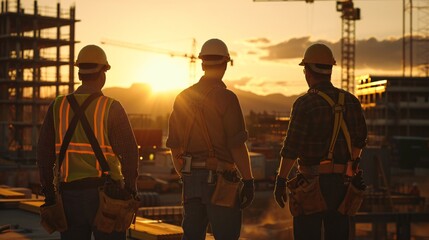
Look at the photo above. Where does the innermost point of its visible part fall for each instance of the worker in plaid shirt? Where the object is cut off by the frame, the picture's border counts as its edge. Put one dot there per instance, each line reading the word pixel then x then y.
pixel 308 142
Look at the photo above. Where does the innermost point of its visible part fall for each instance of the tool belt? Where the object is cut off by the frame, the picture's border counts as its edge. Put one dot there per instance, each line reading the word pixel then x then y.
pixel 116 210
pixel 53 217
pixel 322 169
pixel 227 185
pixel 85 183
pixel 305 196
pixel 211 163
pixel 352 201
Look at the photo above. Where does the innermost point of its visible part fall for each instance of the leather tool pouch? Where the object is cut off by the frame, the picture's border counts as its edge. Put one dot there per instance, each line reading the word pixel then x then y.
pixel 53 217
pixel 115 214
pixel 226 192
pixel 305 196
pixel 352 201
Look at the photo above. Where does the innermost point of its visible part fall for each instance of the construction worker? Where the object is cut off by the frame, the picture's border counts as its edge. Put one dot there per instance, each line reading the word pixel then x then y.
pixel 207 138
pixel 80 174
pixel 326 135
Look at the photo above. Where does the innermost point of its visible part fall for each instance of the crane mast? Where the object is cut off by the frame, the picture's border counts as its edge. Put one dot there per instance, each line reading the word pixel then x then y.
pixel 348 43
pixel 349 15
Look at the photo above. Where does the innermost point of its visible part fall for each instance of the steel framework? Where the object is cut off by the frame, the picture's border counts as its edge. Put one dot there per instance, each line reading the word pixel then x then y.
pixel 36 65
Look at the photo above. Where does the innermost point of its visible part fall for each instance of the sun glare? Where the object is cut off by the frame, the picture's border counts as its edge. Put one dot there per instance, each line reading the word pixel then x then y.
pixel 165 73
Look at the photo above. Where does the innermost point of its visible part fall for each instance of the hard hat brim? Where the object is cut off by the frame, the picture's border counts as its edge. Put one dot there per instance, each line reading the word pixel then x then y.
pixel 214 62
pixel 319 70
pixel 94 70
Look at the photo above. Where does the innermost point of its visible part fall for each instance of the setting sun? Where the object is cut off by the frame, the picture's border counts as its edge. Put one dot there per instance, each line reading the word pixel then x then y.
pixel 164 73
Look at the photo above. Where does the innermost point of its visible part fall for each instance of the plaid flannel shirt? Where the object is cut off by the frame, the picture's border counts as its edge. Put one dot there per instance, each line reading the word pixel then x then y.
pixel 311 123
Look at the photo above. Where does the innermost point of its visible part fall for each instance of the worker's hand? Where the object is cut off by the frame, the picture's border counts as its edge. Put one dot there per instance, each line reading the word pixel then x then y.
pixel 49 201
pixel 132 190
pixel 280 191
pixel 178 165
pixel 247 193
pixel 357 181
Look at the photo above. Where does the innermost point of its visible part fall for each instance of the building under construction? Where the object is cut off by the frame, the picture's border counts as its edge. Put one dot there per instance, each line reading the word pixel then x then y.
pixel 36 64
pixel 397 115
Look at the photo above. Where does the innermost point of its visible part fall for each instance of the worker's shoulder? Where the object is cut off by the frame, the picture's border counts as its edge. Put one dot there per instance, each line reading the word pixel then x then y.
pixel 110 98
pixel 115 105
pixel 195 92
pixel 223 91
pixel 309 96
pixel 349 97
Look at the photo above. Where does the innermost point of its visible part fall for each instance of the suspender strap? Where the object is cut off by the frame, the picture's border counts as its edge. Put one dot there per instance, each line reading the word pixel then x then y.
pixel 201 121
pixel 188 131
pixel 80 116
pixel 198 115
pixel 72 126
pixel 339 122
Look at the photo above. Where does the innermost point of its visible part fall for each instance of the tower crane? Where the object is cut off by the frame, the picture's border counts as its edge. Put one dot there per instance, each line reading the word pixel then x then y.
pixel 191 56
pixel 349 14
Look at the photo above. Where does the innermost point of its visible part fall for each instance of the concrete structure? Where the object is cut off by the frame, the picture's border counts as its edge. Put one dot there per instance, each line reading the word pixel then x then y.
pixel 394 106
pixel 397 115
pixel 36 64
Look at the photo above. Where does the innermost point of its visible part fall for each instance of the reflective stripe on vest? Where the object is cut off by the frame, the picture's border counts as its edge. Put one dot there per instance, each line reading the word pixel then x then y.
pixel 80 161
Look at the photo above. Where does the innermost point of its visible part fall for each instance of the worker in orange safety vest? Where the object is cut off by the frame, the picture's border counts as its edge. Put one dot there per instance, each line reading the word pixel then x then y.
pixel 69 165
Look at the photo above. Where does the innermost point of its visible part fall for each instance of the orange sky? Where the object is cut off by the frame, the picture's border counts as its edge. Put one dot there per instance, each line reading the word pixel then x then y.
pixel 172 24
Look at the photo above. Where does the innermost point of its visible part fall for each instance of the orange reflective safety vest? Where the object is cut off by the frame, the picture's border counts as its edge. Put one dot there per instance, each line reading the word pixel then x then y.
pixel 80 161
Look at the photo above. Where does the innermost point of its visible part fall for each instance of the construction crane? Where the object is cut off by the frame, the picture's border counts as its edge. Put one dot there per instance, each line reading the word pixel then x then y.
pixel 349 14
pixel 191 56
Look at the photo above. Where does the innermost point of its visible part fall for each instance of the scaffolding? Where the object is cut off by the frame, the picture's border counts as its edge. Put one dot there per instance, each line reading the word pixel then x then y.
pixel 36 65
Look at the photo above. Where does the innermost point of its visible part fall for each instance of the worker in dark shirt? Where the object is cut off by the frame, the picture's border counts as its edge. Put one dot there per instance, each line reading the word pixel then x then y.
pixel 325 152
pixel 79 176
pixel 207 123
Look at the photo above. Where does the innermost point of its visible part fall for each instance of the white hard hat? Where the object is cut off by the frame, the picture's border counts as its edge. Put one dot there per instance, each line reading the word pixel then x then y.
pixel 213 52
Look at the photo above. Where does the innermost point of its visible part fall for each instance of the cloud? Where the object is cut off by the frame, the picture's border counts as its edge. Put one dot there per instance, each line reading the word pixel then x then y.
pixel 292 48
pixel 384 54
pixel 259 40
pixel 272 84
pixel 370 53
pixel 240 82
pixel 249 81
pixel 257 85
pixel 251 52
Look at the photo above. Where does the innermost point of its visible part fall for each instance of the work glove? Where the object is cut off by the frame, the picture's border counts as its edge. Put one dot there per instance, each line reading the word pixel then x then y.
pixel 49 201
pixel 357 181
pixel 247 193
pixel 280 191
pixel 49 196
pixel 132 190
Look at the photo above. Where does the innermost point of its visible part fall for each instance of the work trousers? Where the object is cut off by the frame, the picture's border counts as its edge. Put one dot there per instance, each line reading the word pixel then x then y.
pixel 199 212
pixel 335 225
pixel 80 207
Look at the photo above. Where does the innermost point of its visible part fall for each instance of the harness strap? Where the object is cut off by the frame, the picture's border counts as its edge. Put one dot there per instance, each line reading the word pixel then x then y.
pixel 339 123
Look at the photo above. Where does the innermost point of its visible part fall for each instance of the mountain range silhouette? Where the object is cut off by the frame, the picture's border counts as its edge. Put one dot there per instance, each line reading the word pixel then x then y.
pixel 140 99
